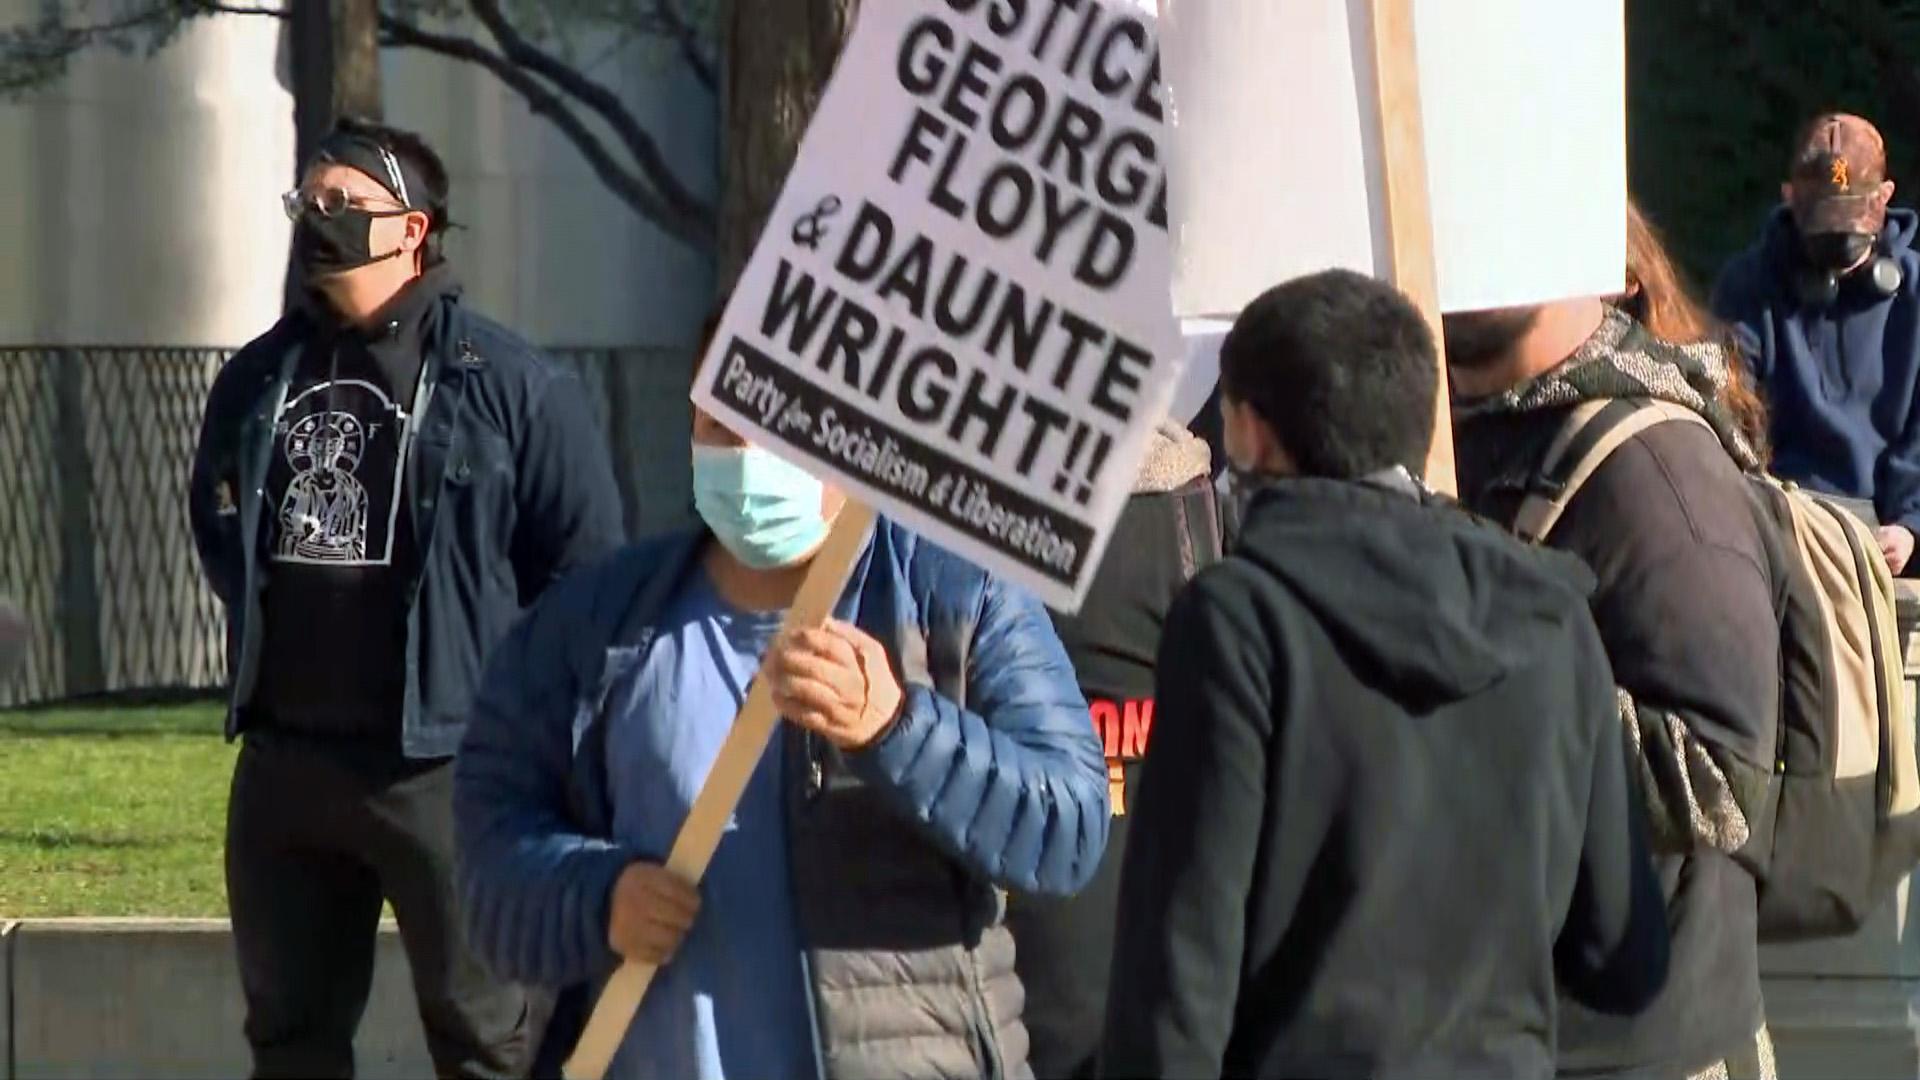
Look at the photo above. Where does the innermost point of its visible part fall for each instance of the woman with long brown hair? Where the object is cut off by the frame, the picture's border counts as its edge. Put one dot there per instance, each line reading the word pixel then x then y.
pixel 1660 300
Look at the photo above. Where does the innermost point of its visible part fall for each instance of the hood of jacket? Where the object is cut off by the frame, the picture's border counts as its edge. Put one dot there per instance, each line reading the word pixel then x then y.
pixel 397 335
pixel 1623 360
pixel 408 307
pixel 1431 604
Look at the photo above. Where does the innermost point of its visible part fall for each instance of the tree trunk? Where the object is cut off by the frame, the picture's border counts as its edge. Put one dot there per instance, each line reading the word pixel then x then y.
pixel 334 46
pixel 335 49
pixel 356 59
pixel 778 54
pixel 310 48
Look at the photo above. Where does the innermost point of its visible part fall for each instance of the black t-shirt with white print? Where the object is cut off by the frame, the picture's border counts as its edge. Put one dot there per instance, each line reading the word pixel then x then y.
pixel 338 535
pixel 335 476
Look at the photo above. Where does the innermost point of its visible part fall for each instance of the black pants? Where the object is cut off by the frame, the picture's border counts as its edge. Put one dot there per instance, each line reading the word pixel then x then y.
pixel 318 834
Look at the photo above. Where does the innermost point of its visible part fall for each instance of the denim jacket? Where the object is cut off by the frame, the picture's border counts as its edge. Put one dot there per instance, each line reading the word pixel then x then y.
pixel 508 482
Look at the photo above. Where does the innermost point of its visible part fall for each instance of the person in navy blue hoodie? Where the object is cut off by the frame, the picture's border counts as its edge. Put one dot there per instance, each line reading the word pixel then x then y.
pixel 936 751
pixel 1826 307
pixel 383 481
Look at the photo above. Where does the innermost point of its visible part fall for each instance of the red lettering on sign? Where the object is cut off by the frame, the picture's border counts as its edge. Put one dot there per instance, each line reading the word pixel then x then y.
pixel 1123 727
pixel 1106 723
pixel 1134 728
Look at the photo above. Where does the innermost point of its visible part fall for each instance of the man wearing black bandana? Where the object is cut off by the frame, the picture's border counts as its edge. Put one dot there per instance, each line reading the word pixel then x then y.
pixel 384 479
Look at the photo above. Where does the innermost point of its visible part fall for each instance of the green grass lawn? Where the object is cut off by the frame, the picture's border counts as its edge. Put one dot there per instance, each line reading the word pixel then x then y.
pixel 115 811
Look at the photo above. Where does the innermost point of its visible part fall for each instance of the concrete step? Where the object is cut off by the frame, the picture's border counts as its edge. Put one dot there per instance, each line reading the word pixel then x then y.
pixel 1844 1028
pixel 125 998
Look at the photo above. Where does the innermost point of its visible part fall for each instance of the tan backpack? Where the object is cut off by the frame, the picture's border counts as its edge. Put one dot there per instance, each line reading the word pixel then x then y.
pixel 1841 814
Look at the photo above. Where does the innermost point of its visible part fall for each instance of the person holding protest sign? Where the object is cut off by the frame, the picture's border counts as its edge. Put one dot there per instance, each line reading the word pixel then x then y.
pixel 1686 605
pixel 383 480
pixel 1395 808
pixel 936 750
pixel 1168 532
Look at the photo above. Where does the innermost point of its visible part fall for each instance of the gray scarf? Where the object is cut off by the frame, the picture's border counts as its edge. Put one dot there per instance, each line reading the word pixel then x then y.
pixel 1622 360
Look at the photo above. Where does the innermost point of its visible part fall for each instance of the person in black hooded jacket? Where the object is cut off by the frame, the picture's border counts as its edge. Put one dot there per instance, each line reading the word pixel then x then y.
pixel 1396 810
pixel 1685 601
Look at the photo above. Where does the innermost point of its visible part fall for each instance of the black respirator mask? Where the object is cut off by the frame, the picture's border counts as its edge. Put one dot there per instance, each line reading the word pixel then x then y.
pixel 1837 251
pixel 1832 259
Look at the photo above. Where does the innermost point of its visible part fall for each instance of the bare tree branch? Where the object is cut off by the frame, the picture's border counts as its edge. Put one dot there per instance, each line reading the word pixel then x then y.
pixel 35 54
pixel 208 8
pixel 55 43
pixel 119 26
pixel 630 189
pixel 543 81
pixel 682 30
pixel 610 50
pixel 645 150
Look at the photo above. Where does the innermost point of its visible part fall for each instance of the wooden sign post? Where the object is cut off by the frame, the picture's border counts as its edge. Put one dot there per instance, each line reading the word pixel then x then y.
pixel 1409 207
pixel 700 835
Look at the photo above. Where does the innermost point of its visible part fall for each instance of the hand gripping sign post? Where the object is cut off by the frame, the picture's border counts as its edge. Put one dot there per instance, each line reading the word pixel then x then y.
pixel 959 314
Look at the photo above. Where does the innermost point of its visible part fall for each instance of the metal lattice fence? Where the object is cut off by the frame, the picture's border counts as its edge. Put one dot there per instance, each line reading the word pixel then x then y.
pixel 96 444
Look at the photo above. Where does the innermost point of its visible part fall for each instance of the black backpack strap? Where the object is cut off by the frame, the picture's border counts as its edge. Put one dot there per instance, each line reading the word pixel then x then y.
pixel 1590 434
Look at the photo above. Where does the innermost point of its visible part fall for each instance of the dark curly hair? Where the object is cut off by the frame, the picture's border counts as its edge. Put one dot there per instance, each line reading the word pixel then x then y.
pixel 1343 368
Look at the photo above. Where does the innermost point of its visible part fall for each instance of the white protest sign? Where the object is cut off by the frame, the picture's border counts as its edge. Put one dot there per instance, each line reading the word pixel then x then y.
pixel 959 310
pixel 1275 150
pixel 1202 338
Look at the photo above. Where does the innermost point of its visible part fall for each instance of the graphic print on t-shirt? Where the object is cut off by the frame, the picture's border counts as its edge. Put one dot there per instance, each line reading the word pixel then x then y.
pixel 336 474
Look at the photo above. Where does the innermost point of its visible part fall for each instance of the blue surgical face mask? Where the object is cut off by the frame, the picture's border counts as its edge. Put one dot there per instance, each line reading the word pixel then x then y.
pixel 763 510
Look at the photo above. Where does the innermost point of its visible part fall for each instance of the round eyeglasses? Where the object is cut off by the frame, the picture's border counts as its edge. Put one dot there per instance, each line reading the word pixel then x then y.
pixel 331 202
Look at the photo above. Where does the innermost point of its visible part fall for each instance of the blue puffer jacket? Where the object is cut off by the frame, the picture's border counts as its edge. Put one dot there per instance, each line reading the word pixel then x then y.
pixel 991 778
